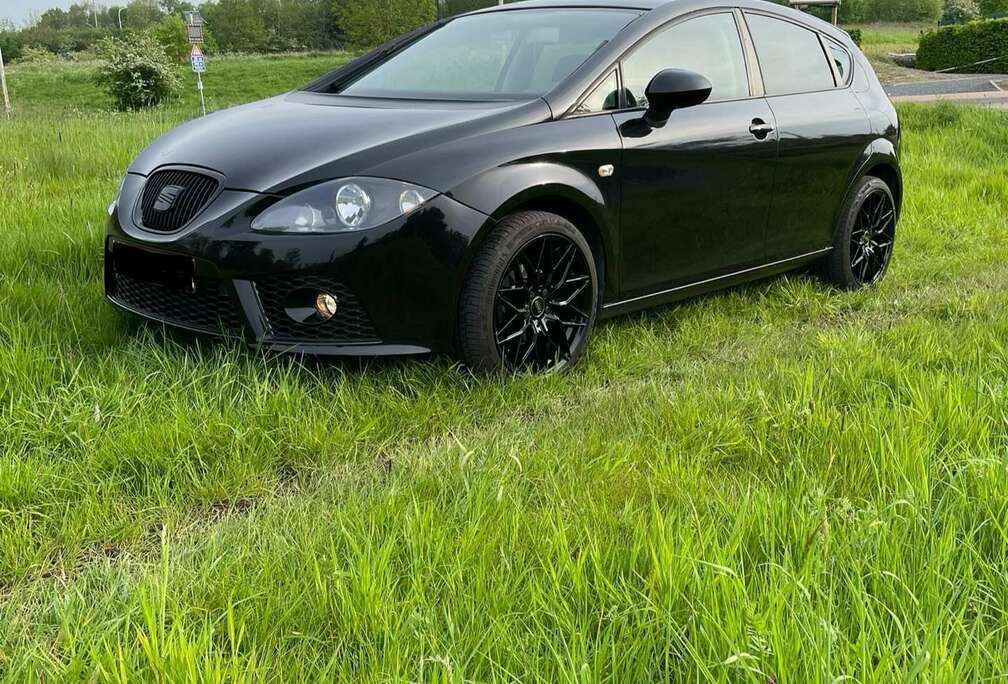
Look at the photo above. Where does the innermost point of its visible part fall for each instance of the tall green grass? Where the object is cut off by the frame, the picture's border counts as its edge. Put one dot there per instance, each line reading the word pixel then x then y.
pixel 775 483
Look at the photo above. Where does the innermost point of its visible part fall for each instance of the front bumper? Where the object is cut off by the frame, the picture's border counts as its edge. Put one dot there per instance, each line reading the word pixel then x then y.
pixel 397 285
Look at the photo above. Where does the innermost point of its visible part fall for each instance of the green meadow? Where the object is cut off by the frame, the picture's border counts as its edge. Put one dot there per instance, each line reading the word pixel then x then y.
pixel 777 483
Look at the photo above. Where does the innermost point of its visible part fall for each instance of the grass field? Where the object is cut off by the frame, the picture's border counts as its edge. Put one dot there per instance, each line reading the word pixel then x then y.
pixel 776 483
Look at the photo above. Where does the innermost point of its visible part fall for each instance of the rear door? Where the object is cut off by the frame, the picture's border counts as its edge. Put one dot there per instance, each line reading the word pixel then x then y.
pixel 696 192
pixel 823 130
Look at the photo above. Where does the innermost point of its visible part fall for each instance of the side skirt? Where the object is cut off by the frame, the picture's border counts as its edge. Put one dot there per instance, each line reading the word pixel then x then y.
pixel 710 284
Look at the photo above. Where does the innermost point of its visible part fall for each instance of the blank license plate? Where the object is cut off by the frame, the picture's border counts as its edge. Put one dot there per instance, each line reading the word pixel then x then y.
pixel 171 270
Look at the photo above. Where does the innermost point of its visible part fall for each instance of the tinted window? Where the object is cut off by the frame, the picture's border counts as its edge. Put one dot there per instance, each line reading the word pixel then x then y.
pixel 842 59
pixel 605 96
pixel 790 57
pixel 708 45
pixel 498 55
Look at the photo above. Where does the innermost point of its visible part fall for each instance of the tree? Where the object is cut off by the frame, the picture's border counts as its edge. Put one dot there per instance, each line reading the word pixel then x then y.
pixel 170 33
pixel 140 14
pixel 903 10
pixel 178 7
pixel 10 43
pixel 237 26
pixel 367 23
pixel 303 24
pixel 959 12
pixel 990 8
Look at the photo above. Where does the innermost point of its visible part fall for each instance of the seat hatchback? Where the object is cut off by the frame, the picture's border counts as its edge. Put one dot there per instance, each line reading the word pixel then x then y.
pixel 494 184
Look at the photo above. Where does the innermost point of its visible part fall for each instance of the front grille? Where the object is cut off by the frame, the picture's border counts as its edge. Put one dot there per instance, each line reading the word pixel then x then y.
pixel 209 308
pixel 172 198
pixel 350 325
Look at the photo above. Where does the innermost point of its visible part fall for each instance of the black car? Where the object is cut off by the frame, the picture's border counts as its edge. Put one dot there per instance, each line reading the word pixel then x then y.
pixel 495 183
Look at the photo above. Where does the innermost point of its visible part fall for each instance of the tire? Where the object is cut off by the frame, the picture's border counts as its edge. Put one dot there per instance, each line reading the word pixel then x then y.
pixel 530 299
pixel 863 245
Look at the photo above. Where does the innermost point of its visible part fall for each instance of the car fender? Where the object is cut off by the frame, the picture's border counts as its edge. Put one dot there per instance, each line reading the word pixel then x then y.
pixel 879 152
pixel 548 186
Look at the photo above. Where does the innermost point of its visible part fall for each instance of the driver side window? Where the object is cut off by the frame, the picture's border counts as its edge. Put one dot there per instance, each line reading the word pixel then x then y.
pixel 708 45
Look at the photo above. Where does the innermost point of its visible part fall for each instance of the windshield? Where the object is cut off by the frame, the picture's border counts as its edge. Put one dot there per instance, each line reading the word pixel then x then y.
pixel 494 56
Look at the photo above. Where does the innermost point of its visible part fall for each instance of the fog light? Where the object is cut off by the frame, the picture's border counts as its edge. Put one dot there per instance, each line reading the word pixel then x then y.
pixel 325 305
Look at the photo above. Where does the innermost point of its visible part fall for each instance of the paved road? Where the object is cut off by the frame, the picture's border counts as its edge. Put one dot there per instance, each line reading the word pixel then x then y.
pixel 961 84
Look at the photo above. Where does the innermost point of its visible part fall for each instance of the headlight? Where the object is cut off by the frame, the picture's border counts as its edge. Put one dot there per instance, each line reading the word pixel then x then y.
pixel 343 205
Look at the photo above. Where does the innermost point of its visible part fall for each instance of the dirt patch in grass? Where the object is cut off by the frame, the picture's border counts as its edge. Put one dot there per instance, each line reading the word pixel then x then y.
pixel 891 73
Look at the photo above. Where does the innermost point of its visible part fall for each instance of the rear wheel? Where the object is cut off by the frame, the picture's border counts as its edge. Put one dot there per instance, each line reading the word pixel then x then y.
pixel 530 299
pixel 863 245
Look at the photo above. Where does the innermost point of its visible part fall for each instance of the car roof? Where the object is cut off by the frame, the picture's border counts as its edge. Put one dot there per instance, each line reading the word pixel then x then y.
pixel 643 5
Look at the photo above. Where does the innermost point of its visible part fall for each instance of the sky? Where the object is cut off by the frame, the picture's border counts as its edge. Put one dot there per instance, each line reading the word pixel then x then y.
pixel 19 10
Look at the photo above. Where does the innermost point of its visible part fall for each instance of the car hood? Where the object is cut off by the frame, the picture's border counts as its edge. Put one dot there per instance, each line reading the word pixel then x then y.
pixel 287 142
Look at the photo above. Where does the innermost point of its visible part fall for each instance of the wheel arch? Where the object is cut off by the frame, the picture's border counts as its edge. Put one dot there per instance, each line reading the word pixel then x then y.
pixel 879 160
pixel 554 188
pixel 889 173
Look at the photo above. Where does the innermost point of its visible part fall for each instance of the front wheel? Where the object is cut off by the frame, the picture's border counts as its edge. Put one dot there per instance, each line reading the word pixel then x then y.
pixel 530 299
pixel 863 245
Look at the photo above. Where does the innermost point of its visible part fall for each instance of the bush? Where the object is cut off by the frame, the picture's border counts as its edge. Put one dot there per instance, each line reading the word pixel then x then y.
pixel 367 23
pixel 36 54
pixel 87 55
pixel 964 45
pixel 136 72
pixel 855 35
pixel 959 12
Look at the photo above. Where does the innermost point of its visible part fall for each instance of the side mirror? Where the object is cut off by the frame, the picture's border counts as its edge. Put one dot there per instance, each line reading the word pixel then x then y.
pixel 673 89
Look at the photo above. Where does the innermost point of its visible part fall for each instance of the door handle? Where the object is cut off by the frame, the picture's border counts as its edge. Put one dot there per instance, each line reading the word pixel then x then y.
pixel 761 129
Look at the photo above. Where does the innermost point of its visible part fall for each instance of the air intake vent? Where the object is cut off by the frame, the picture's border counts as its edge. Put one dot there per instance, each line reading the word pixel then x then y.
pixel 350 325
pixel 172 198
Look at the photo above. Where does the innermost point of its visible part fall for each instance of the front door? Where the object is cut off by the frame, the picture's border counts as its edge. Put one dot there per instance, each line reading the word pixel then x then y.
pixel 696 192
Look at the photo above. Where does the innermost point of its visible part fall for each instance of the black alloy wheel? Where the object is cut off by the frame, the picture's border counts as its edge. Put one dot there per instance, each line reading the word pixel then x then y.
pixel 531 297
pixel 863 246
pixel 542 304
pixel 871 241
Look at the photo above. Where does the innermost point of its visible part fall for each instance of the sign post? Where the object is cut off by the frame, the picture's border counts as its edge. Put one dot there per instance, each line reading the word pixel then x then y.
pixel 3 83
pixel 198 67
pixel 194 27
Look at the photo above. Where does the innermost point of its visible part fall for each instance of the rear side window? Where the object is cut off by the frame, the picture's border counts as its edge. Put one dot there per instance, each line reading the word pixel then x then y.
pixel 708 45
pixel 842 59
pixel 790 57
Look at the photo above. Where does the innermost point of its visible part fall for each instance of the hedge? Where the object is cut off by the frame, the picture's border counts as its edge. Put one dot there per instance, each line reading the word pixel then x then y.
pixel 963 45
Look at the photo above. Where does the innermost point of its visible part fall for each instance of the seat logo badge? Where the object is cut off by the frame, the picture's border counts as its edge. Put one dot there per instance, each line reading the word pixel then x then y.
pixel 605 170
pixel 167 197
